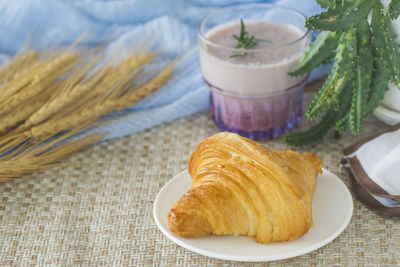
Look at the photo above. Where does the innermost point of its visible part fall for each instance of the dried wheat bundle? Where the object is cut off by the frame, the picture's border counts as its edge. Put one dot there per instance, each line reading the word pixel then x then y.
pixel 45 98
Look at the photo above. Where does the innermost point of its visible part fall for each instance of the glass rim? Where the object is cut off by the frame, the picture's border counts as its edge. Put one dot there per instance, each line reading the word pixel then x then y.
pixel 203 36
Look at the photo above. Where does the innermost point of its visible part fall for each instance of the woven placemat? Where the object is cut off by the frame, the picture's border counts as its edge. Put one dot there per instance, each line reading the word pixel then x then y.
pixel 98 212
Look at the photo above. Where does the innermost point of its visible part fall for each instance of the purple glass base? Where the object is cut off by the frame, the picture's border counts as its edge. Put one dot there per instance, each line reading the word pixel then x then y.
pixel 260 135
pixel 257 117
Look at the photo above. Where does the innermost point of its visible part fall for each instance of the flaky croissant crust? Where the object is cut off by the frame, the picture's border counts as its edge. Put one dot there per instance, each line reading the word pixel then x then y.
pixel 240 187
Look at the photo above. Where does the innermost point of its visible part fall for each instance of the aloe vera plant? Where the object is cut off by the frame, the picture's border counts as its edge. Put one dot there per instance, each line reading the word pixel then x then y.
pixel 357 36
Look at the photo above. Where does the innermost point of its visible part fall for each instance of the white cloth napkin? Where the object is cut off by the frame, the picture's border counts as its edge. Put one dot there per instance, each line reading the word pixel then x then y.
pixel 374 165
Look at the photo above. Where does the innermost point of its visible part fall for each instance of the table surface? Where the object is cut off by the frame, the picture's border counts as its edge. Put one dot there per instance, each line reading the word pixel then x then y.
pixel 98 211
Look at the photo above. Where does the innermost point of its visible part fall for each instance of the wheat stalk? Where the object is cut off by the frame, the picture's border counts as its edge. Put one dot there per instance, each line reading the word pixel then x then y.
pixel 52 99
pixel 40 80
pixel 124 72
pixel 13 69
pixel 18 115
pixel 96 85
pixel 24 78
pixel 15 120
pixel 90 113
pixel 43 156
pixel 65 98
pixel 144 90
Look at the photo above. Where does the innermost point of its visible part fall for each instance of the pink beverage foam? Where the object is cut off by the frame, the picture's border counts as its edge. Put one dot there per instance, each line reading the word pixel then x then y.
pixel 264 70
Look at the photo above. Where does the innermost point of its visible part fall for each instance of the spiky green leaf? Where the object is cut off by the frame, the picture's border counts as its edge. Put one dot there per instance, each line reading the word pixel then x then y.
pixel 357 104
pixel 394 9
pixel 329 59
pixel 314 133
pixel 344 101
pixel 326 3
pixel 365 55
pixel 319 51
pixel 362 78
pixel 379 88
pixel 342 16
pixel 352 91
pixel 337 78
pixel 385 43
pixel 343 124
pixel 342 113
pixel 329 17
pixel 324 125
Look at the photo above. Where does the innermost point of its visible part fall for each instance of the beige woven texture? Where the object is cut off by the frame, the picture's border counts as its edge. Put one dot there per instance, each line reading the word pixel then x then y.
pixel 98 211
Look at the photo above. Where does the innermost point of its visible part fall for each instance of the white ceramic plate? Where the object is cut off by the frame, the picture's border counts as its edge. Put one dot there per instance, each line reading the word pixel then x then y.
pixel 332 211
pixel 386 115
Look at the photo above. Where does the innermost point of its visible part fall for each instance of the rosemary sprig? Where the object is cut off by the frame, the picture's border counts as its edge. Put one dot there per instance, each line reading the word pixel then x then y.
pixel 245 41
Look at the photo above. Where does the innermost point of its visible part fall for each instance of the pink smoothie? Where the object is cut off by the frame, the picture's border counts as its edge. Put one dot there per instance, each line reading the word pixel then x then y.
pixel 261 72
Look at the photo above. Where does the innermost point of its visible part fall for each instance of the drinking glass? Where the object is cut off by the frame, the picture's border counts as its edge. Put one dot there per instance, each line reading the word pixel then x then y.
pixel 255 98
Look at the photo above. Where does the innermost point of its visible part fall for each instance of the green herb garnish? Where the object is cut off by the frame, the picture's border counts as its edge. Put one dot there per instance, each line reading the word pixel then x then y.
pixel 245 41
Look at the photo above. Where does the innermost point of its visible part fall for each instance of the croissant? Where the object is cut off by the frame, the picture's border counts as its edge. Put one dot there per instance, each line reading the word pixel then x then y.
pixel 240 187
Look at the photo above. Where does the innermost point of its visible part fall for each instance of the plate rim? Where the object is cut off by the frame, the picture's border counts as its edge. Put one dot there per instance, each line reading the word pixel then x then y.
pixel 265 258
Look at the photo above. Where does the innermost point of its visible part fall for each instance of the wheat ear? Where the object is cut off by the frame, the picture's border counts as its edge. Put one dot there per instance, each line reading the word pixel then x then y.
pixel 91 113
pixel 42 156
pixel 25 109
pixel 55 102
pixel 63 99
pixel 144 90
pixel 66 102
pixel 40 80
pixel 24 78
pixel 14 68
